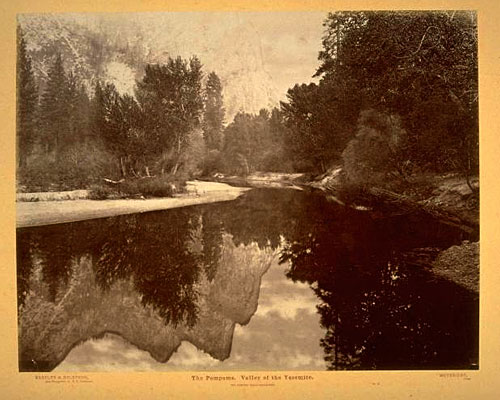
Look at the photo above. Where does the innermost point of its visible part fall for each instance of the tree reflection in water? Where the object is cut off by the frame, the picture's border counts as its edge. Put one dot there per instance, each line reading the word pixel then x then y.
pixel 378 311
pixel 155 251
pixel 155 254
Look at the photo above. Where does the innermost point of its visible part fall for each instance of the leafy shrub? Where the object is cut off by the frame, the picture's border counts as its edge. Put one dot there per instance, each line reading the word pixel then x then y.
pixel 376 151
pixel 147 187
pixel 276 160
pixel 86 164
pixel 102 192
pixel 77 167
pixel 160 186
pixel 38 175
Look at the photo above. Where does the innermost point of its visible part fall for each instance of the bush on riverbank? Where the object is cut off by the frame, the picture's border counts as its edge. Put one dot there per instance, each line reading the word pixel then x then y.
pixel 376 153
pixel 76 168
pixel 102 192
pixel 158 186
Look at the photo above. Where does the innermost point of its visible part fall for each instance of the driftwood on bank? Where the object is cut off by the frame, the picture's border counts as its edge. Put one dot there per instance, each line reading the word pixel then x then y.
pixel 112 182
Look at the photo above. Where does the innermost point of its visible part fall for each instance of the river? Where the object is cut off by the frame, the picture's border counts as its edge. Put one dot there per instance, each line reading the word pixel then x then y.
pixel 277 279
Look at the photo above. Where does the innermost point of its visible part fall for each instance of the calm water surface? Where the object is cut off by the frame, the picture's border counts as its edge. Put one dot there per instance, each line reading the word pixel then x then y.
pixel 277 279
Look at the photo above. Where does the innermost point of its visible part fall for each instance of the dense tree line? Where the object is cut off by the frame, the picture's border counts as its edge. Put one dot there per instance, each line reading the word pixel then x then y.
pixel 397 94
pixel 70 135
pixel 149 133
pixel 255 143
pixel 417 68
pixel 27 99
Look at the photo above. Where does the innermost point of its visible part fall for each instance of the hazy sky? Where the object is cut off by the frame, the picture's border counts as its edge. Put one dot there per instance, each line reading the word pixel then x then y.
pixel 258 55
pixel 288 42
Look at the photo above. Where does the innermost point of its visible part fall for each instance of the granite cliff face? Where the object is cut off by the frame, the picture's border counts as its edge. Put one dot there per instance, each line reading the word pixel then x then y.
pixel 116 48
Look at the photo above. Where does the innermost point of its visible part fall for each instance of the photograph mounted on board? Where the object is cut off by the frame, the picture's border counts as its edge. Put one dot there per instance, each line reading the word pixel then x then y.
pixel 231 191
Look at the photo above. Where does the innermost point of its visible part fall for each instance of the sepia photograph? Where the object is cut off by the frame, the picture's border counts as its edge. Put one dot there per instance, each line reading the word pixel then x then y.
pixel 247 191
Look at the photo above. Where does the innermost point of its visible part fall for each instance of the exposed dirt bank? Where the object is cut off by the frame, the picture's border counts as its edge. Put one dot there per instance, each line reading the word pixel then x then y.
pixel 452 194
pixel 446 197
pixel 44 212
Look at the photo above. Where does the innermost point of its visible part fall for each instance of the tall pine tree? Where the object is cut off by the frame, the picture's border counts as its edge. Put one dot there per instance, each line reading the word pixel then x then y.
pixel 55 110
pixel 27 101
pixel 213 121
pixel 79 112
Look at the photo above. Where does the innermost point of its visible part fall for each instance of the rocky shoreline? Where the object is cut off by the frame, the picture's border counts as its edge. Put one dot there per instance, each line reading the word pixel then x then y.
pixel 460 264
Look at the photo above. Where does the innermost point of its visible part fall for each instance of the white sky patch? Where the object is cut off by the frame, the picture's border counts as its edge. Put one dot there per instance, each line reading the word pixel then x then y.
pixel 102 345
pixel 110 353
pixel 283 296
pixel 300 361
pixel 288 308
pixel 240 331
pixel 188 356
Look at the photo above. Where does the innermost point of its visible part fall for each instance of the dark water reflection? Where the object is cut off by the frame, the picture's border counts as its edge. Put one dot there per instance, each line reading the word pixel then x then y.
pixel 192 273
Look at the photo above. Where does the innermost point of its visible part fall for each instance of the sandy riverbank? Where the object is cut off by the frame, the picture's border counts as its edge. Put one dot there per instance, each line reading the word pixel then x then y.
pixel 36 213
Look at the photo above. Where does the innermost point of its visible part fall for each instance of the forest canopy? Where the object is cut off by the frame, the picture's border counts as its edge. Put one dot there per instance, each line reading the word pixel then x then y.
pixel 420 67
pixel 403 83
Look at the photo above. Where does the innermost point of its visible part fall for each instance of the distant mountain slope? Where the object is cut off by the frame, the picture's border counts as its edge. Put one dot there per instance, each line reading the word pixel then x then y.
pixel 116 47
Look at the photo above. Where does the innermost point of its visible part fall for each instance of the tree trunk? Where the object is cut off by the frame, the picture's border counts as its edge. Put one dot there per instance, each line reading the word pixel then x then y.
pixel 175 168
pixel 246 167
pixel 122 168
pixel 468 149
pixel 58 149
pixel 177 163
pixel 21 160
pixel 467 179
